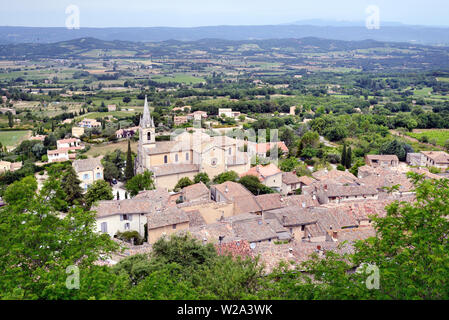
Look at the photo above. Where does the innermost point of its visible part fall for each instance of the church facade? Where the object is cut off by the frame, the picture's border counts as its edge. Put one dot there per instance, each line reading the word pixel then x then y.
pixel 186 155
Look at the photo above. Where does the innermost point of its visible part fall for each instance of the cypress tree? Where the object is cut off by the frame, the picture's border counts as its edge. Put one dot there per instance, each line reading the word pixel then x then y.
pixel 72 188
pixel 10 120
pixel 343 155
pixel 349 158
pixel 129 169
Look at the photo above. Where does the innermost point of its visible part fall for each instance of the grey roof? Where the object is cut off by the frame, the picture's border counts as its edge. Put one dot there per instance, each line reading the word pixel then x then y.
pixel 168 147
pixel 230 190
pixel 158 196
pixel 291 216
pixel 340 191
pixel 174 168
pixel 87 164
pixel 290 178
pixel 195 191
pixel 128 206
pixel 168 217
pixel 254 230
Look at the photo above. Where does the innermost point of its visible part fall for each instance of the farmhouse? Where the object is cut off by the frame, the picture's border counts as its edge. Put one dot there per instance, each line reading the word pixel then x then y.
pixel 89 171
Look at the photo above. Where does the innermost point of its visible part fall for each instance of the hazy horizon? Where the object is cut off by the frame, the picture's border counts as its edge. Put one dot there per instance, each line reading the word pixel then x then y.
pixel 200 13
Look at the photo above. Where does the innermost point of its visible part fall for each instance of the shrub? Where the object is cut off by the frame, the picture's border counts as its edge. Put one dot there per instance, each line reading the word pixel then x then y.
pixel 130 235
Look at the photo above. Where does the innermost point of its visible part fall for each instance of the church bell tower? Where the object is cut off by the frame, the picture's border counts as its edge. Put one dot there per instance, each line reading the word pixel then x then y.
pixel 147 129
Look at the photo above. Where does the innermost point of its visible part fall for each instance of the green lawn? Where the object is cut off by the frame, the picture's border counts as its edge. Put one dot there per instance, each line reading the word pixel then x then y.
pixel 12 138
pixel 441 136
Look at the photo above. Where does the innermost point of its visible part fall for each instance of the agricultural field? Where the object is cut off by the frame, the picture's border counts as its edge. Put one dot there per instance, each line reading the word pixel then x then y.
pixel 13 138
pixel 178 78
pixel 104 148
pixel 440 136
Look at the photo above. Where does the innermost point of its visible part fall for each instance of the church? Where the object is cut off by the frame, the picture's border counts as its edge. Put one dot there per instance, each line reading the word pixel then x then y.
pixel 186 154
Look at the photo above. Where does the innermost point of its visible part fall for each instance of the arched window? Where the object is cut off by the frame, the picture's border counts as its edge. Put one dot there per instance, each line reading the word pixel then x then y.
pixel 149 136
pixel 165 159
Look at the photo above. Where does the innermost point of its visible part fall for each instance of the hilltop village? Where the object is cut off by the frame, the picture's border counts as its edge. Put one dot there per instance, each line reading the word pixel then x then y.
pixel 260 148
pixel 286 216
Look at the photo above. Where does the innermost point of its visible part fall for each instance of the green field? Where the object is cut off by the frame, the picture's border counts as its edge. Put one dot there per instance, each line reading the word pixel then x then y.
pixel 12 138
pixel 104 148
pixel 179 78
pixel 440 136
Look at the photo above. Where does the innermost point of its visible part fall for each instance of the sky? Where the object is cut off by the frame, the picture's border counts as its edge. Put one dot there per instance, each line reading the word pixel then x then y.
pixel 193 13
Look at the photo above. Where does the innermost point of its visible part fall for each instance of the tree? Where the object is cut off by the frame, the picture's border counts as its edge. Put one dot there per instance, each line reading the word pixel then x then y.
pixel 253 184
pixel 182 183
pixel 343 155
pixel 10 120
pixel 289 164
pixel 99 190
pixel 348 158
pixel 202 177
pixel 310 139
pixel 140 182
pixel 396 147
pixel 72 188
pixel 226 176
pixel 287 136
pixel 110 171
pixel 34 257
pixel 129 169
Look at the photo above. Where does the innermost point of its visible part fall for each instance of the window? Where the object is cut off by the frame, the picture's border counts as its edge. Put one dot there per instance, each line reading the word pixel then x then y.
pixel 165 159
pixel 176 158
pixel 98 175
pixel 187 156
pixel 125 217
pixel 127 226
pixel 104 227
pixel 230 151
pixel 174 226
pixel 149 136
pixel 86 176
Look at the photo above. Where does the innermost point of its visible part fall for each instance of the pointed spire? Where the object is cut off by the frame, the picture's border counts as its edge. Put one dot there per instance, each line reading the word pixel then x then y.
pixel 146 120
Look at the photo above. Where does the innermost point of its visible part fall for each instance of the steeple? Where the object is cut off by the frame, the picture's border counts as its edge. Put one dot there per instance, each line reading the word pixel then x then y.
pixel 146 121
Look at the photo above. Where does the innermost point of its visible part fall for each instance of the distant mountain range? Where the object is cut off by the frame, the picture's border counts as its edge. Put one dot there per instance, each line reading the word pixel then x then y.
pixel 367 55
pixel 340 23
pixel 348 31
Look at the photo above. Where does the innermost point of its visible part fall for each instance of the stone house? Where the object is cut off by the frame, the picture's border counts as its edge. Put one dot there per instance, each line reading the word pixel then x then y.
pixel 375 160
pixel 88 171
